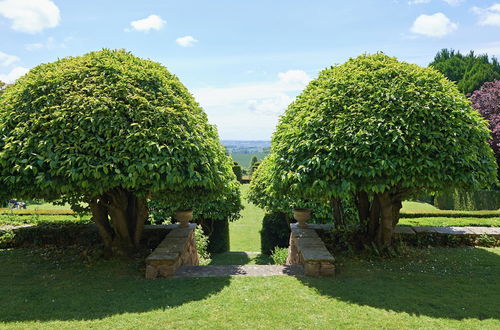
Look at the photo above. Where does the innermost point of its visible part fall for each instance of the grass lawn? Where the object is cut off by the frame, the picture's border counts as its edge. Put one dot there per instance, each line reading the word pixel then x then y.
pixel 432 288
pixel 245 159
pixel 244 233
pixel 417 207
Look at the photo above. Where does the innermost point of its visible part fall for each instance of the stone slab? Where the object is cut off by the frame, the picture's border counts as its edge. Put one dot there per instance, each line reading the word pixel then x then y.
pixel 239 270
pixel 453 231
pixel 305 242
pixel 424 229
pixel 316 255
pixel 172 244
pixel 494 231
pixel 301 232
pixel 159 258
pixel 181 232
pixel 404 230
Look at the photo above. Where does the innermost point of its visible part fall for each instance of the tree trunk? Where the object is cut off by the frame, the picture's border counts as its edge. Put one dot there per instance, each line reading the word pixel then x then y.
pixel 386 228
pixel 374 218
pixel 120 217
pixel 100 217
pixel 338 213
pixel 363 205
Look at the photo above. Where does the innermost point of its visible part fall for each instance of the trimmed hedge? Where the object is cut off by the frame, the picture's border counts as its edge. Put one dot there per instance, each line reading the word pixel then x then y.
pixel 4 211
pixel 468 200
pixel 451 214
pixel 68 234
pixel 275 232
pixel 58 234
pixel 218 234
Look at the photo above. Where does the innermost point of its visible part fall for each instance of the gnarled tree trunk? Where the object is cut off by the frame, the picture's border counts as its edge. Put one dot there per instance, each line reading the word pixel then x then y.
pixel 379 215
pixel 119 215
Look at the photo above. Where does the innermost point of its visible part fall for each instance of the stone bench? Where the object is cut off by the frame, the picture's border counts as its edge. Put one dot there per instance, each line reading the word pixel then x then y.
pixel 178 248
pixel 307 249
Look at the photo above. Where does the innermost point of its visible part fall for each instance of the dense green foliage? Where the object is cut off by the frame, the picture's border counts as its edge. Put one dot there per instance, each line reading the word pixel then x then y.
pixel 237 171
pixel 111 129
pixel 381 131
pixel 468 71
pixel 275 232
pixel 468 200
pixel 375 124
pixel 2 85
pixel 88 124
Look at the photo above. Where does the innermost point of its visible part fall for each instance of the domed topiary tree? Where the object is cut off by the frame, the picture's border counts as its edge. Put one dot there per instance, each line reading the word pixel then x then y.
pixel 381 130
pixel 486 100
pixel 109 129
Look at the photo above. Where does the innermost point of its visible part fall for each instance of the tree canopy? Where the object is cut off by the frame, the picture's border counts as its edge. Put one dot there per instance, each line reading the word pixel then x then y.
pixel 380 129
pixel 468 71
pixel 110 129
pixel 487 101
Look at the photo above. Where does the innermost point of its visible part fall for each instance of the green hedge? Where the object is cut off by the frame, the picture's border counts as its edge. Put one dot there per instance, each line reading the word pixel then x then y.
pixel 67 234
pixel 218 234
pixel 237 171
pixel 275 232
pixel 468 200
pixel 451 214
pixel 58 234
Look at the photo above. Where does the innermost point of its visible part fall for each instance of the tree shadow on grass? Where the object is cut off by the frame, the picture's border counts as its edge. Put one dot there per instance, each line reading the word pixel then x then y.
pixel 450 283
pixel 36 285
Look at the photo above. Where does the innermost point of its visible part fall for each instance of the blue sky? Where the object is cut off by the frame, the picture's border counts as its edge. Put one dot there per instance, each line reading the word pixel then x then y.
pixel 244 61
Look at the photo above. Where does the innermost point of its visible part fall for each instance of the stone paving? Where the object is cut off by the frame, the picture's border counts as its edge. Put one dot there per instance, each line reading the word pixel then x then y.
pixel 472 231
pixel 239 270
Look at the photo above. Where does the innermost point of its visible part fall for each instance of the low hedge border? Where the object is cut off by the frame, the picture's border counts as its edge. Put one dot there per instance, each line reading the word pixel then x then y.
pixel 69 234
pixel 35 212
pixel 451 214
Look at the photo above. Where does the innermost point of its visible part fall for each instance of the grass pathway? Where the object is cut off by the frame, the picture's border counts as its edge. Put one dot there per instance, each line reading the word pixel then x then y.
pixel 244 232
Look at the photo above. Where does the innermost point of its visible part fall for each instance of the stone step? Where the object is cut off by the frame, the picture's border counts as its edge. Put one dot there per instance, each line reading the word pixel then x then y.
pixel 239 270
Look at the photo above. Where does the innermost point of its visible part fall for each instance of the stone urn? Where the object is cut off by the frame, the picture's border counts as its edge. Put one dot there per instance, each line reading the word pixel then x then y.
pixel 302 215
pixel 184 216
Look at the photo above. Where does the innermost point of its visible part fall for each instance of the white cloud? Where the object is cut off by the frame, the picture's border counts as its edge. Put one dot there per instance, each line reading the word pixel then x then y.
pixel 15 73
pixel 49 44
pixel 152 22
pixel 492 49
pixel 187 41
pixel 290 81
pixel 270 106
pixel 488 16
pixel 6 59
pixel 232 108
pixel 436 25
pixel 30 16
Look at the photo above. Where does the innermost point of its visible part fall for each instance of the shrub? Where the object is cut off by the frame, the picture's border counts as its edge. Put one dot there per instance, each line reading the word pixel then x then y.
pixel 279 256
pixel 275 232
pixel 468 200
pixel 202 246
pixel 237 171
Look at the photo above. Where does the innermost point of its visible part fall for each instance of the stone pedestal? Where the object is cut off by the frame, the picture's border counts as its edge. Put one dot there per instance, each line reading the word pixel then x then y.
pixel 177 249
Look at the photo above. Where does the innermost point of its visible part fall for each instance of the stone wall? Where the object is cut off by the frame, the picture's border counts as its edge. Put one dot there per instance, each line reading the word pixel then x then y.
pixel 307 249
pixel 178 248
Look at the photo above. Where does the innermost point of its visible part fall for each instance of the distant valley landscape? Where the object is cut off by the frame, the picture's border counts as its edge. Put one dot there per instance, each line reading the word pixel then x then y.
pixel 243 151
